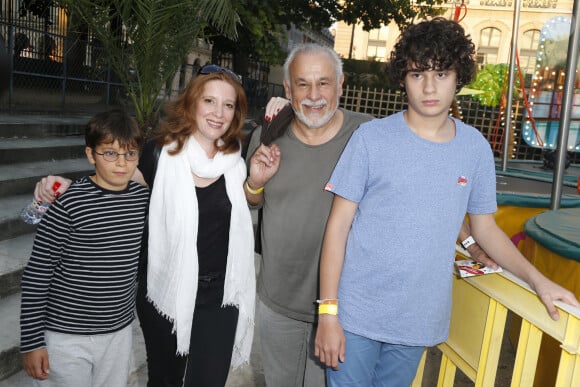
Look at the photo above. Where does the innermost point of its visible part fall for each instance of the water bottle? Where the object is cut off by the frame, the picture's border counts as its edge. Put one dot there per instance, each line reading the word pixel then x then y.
pixel 34 211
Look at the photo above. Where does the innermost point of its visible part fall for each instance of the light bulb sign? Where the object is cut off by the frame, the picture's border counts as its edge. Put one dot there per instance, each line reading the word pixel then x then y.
pixel 542 123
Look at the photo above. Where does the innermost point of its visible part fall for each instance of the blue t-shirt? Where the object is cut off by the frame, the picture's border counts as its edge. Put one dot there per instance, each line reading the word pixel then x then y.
pixel 412 196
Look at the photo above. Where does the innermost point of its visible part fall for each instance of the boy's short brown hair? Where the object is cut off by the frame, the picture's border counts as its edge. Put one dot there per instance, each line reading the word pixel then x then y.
pixel 114 125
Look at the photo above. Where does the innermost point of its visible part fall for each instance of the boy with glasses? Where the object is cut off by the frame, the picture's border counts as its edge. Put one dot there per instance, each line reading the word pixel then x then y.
pixel 78 288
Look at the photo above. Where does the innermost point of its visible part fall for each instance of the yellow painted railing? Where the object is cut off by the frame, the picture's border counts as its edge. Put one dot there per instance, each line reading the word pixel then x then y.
pixel 480 309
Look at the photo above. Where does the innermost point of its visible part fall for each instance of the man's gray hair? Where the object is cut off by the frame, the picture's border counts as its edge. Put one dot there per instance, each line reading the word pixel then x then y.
pixel 312 48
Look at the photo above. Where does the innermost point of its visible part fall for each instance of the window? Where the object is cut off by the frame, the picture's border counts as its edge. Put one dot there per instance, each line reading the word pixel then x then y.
pixel 489 39
pixel 528 50
pixel 377 44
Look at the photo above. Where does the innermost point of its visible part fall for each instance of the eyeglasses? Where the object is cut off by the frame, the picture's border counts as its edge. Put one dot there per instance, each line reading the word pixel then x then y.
pixel 211 68
pixel 111 156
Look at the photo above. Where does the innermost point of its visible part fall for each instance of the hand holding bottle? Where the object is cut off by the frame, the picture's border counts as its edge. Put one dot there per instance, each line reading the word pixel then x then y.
pixel 33 212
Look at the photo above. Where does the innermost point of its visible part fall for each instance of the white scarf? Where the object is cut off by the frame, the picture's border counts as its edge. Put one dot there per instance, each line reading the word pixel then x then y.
pixel 172 259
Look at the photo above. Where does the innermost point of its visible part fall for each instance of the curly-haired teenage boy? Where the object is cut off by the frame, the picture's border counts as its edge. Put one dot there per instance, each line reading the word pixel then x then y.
pixel 417 172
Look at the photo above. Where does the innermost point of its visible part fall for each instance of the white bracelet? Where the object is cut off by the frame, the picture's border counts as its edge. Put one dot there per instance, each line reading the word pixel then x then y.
pixel 467 242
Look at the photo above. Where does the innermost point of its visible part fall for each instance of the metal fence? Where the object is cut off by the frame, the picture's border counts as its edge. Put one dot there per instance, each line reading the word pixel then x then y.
pixel 55 72
pixel 70 74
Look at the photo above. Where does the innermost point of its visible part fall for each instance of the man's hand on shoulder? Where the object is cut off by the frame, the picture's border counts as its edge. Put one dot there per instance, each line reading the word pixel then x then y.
pixel 275 104
pixel 44 191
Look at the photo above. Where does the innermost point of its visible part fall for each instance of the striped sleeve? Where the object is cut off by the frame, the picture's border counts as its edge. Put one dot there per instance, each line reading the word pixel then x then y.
pixel 50 236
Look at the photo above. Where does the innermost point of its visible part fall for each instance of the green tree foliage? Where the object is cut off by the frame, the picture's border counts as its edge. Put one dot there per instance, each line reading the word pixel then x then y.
pixel 145 41
pixel 373 13
pixel 264 24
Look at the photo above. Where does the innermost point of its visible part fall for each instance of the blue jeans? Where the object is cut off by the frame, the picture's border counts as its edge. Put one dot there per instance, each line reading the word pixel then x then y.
pixel 373 363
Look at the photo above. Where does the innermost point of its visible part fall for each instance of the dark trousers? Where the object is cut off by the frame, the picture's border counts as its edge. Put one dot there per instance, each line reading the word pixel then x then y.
pixel 212 342
pixel 164 367
pixel 212 339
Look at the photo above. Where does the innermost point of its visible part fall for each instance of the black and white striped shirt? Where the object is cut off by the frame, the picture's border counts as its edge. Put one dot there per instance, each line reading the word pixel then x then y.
pixel 80 278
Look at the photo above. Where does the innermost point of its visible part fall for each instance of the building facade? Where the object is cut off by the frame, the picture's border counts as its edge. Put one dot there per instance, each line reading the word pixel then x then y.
pixel 489 22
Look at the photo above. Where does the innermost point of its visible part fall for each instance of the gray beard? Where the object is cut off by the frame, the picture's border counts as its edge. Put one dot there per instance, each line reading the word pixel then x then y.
pixel 315 124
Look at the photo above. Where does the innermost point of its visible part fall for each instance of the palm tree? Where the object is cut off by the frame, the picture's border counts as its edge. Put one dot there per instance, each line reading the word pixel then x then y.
pixel 145 41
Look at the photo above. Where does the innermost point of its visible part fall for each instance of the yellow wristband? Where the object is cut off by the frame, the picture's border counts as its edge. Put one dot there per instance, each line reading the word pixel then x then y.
pixel 254 191
pixel 328 309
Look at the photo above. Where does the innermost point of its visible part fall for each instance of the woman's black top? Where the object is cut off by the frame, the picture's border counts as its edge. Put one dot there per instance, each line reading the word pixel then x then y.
pixel 212 233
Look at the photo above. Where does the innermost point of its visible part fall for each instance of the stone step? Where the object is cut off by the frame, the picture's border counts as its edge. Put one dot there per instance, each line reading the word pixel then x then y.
pixel 11 374
pixel 11 225
pixel 21 178
pixel 14 254
pixel 41 125
pixel 10 362
pixel 26 150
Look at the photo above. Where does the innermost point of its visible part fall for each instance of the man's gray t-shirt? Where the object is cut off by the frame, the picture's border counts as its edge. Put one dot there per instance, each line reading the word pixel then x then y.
pixel 295 211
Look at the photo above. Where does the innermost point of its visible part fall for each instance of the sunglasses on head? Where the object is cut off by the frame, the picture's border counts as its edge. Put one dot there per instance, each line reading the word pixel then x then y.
pixel 211 68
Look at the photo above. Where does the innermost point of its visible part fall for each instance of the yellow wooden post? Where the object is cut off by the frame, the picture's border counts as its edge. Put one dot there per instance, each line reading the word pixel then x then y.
pixel 478 316
pixel 569 369
pixel 526 355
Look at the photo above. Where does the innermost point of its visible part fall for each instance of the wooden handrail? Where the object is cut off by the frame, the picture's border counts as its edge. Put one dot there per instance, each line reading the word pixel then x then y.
pixel 479 313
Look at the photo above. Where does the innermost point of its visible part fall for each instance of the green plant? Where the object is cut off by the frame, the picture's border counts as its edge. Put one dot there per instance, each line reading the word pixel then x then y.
pixel 145 41
pixel 492 82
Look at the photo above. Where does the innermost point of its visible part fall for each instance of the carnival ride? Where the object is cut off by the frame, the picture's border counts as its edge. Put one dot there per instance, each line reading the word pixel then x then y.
pixel 545 96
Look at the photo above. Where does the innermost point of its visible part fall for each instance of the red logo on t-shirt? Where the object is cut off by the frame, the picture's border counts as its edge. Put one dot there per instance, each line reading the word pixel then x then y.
pixel 462 181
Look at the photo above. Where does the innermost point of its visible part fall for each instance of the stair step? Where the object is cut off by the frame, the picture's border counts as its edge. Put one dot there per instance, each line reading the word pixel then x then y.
pixel 10 206
pixel 11 225
pixel 10 362
pixel 14 254
pixel 25 150
pixel 21 178
pixel 41 125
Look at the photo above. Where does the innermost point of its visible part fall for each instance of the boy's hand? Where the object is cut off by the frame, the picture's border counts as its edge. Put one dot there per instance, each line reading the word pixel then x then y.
pixel 477 253
pixel 549 292
pixel 330 343
pixel 35 363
